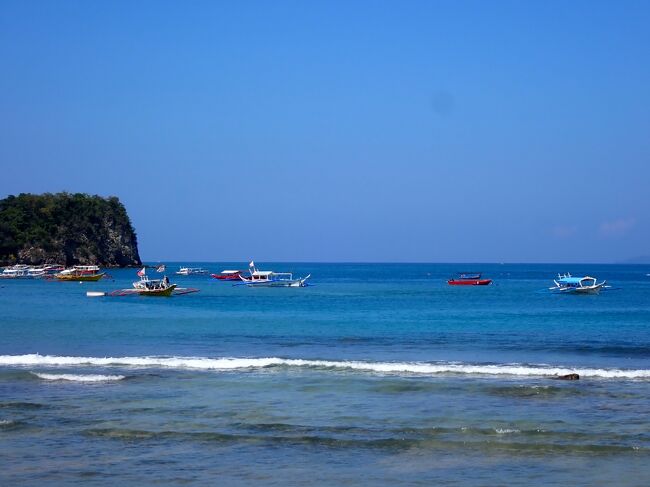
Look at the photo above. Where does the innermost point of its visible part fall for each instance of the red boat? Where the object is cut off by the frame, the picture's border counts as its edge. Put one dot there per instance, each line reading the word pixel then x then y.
pixel 469 280
pixel 228 275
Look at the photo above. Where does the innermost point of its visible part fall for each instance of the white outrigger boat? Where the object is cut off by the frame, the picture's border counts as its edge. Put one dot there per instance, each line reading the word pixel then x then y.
pixel 271 279
pixel 22 271
pixel 18 271
pixel 188 271
pixel 565 283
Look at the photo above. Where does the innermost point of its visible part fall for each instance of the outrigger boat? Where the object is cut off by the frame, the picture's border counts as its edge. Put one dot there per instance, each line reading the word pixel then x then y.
pixel 150 287
pixel 18 271
pixel 187 271
pixel 566 283
pixel 22 271
pixel 154 287
pixel 80 273
pixel 227 275
pixel 469 279
pixel 272 279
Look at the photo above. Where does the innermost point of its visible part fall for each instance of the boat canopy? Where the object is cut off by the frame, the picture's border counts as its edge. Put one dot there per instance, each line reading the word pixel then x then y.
pixel 230 272
pixel 469 275
pixel 262 273
pixel 578 281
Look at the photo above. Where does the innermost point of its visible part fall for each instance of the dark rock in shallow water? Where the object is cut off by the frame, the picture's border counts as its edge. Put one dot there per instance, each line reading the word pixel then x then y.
pixel 568 377
pixel 69 229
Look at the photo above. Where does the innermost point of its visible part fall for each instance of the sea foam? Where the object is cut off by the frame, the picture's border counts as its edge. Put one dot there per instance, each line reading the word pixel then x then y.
pixel 79 378
pixel 233 363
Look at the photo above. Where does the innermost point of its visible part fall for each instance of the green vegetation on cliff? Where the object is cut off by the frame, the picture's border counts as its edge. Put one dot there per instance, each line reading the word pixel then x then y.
pixel 67 229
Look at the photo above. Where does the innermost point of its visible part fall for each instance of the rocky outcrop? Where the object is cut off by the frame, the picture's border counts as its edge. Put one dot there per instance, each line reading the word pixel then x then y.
pixel 568 377
pixel 67 229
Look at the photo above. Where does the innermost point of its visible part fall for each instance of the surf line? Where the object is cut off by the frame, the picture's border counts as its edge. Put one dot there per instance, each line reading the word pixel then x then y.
pixel 235 363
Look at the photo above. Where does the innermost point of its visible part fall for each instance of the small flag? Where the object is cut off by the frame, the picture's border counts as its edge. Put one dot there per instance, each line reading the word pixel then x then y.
pixel 160 268
pixel 141 272
pixel 252 264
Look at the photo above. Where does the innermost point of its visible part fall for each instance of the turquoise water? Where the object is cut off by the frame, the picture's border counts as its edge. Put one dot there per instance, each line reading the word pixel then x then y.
pixel 379 374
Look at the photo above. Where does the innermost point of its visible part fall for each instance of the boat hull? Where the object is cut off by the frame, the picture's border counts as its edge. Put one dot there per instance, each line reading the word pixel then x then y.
pixel 583 290
pixel 226 277
pixel 469 282
pixel 92 277
pixel 157 292
pixel 295 283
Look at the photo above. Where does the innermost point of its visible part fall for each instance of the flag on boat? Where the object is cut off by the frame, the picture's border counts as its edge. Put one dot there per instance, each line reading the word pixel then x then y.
pixel 160 268
pixel 252 264
pixel 141 272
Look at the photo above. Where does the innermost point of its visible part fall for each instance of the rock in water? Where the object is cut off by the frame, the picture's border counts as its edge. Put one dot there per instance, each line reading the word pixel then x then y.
pixel 568 377
pixel 64 228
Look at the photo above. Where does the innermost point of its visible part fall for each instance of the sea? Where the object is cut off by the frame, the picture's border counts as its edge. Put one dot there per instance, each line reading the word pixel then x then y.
pixel 376 374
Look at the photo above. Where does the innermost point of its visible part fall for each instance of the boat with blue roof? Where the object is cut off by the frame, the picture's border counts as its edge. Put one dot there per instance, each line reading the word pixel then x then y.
pixel 568 284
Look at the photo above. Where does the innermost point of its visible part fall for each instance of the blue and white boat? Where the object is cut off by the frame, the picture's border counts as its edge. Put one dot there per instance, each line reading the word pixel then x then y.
pixel 272 279
pixel 566 283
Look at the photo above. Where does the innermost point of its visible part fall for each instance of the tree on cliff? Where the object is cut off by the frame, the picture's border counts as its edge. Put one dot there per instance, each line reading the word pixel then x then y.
pixel 66 228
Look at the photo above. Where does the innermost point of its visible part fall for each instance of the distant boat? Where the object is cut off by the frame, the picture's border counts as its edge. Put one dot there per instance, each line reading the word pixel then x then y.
pixel 188 271
pixel 154 287
pixel 150 287
pixel 272 279
pixel 80 273
pixel 566 283
pixel 161 268
pixel 228 275
pixel 18 271
pixel 469 279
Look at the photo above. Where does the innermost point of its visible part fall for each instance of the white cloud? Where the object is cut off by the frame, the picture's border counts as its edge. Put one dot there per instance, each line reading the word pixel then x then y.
pixel 616 228
pixel 564 231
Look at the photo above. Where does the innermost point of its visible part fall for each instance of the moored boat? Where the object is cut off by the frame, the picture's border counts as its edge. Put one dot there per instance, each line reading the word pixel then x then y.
pixel 567 284
pixel 272 279
pixel 469 279
pixel 80 273
pixel 188 271
pixel 227 275
pixel 18 271
pixel 154 287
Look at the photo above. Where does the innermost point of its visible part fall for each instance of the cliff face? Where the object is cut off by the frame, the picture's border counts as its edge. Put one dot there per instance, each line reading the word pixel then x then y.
pixel 66 229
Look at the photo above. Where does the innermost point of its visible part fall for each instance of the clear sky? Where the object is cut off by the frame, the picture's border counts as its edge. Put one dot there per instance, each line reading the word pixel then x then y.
pixel 421 131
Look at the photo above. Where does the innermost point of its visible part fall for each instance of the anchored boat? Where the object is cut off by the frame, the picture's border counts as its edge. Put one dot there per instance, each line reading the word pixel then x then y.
pixel 272 279
pixel 188 271
pixel 227 275
pixel 154 287
pixel 18 271
pixel 151 287
pixel 566 283
pixel 469 279
pixel 80 273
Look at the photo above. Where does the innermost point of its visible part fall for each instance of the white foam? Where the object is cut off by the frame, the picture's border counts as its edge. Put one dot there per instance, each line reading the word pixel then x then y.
pixel 506 431
pixel 233 363
pixel 79 378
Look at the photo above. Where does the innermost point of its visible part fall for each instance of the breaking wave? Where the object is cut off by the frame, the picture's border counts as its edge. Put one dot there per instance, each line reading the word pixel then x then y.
pixel 233 363
pixel 79 378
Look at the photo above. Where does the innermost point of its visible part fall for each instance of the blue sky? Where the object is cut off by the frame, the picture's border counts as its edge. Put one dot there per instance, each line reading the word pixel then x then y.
pixel 339 131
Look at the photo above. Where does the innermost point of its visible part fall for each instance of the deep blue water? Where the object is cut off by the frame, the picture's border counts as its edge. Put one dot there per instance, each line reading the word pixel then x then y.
pixel 379 374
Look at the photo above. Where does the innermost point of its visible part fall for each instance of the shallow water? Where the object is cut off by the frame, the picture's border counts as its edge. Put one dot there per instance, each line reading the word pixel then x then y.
pixel 376 375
